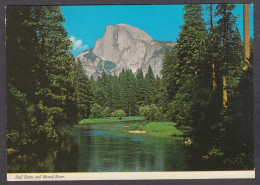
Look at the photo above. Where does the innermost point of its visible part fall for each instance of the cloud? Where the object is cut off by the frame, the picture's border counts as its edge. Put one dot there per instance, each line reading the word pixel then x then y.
pixel 72 38
pixel 78 44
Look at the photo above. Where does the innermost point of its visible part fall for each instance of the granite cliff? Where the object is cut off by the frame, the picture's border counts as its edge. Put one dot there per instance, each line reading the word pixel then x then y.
pixel 124 46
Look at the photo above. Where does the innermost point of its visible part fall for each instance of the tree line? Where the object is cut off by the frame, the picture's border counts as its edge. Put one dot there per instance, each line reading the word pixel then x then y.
pixel 127 92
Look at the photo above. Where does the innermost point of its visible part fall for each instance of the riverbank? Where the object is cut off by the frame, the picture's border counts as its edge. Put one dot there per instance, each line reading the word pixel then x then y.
pixel 140 127
pixel 156 128
pixel 112 120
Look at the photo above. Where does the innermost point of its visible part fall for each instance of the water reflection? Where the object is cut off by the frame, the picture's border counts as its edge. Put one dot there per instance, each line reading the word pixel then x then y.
pixel 59 159
pixel 103 150
pixel 98 148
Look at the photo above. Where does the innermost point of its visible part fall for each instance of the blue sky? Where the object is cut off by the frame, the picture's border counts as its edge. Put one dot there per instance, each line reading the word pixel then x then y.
pixel 85 24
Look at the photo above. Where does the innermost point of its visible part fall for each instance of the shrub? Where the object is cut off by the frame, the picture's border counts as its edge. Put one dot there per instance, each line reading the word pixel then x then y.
pixel 95 110
pixel 105 113
pixel 118 114
pixel 151 112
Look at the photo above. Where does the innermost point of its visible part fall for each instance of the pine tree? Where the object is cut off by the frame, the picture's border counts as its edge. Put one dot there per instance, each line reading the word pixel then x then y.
pixel 150 89
pixel 212 44
pixel 232 136
pixel 191 44
pixel 98 92
pixel 21 44
pixel 43 86
pixel 55 85
pixel 115 93
pixel 140 88
pixel 170 77
pixel 225 28
pixel 83 93
pixel 192 95
pixel 158 91
pixel 127 94
pixel 105 88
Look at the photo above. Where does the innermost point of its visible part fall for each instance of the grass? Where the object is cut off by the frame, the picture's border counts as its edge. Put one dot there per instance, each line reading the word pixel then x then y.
pixel 162 128
pixel 158 128
pixel 112 120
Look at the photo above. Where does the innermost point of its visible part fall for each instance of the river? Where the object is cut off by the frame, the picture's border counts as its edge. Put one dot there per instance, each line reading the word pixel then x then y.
pixel 101 148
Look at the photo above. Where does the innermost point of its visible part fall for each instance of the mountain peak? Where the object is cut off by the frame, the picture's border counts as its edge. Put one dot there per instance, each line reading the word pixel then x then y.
pixel 135 32
pixel 124 46
pixel 116 39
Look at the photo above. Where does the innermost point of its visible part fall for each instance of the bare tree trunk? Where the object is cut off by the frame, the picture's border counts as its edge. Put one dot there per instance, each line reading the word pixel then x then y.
pixel 211 39
pixel 213 77
pixel 225 95
pixel 246 34
pixel 224 78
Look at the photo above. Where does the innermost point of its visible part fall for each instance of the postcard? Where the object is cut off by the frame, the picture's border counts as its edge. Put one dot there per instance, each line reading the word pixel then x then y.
pixel 129 92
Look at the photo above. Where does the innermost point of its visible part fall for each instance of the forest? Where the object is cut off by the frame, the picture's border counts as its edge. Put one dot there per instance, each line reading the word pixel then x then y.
pixel 205 87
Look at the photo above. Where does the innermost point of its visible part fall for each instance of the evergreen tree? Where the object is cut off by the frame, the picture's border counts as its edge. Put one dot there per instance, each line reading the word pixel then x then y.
pixel 127 94
pixel 131 93
pixel 105 88
pixel 55 85
pixel 83 91
pixel 150 89
pixel 43 86
pixel 191 44
pixel 140 88
pixel 170 76
pixel 226 31
pixel 234 69
pixel 229 144
pixel 158 91
pixel 192 96
pixel 21 44
pixel 114 94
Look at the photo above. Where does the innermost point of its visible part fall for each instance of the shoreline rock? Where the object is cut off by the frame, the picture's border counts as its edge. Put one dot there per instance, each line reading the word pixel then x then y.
pixel 138 132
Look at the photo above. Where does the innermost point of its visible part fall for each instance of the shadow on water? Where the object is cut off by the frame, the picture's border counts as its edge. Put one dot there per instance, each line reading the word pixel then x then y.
pixel 61 158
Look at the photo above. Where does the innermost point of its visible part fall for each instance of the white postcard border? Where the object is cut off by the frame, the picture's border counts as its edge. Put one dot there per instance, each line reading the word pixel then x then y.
pixel 248 174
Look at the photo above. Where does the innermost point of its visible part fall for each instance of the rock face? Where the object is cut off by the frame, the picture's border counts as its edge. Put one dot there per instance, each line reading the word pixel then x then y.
pixel 124 46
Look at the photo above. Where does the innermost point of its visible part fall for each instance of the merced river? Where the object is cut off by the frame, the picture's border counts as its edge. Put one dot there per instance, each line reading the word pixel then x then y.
pixel 101 148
